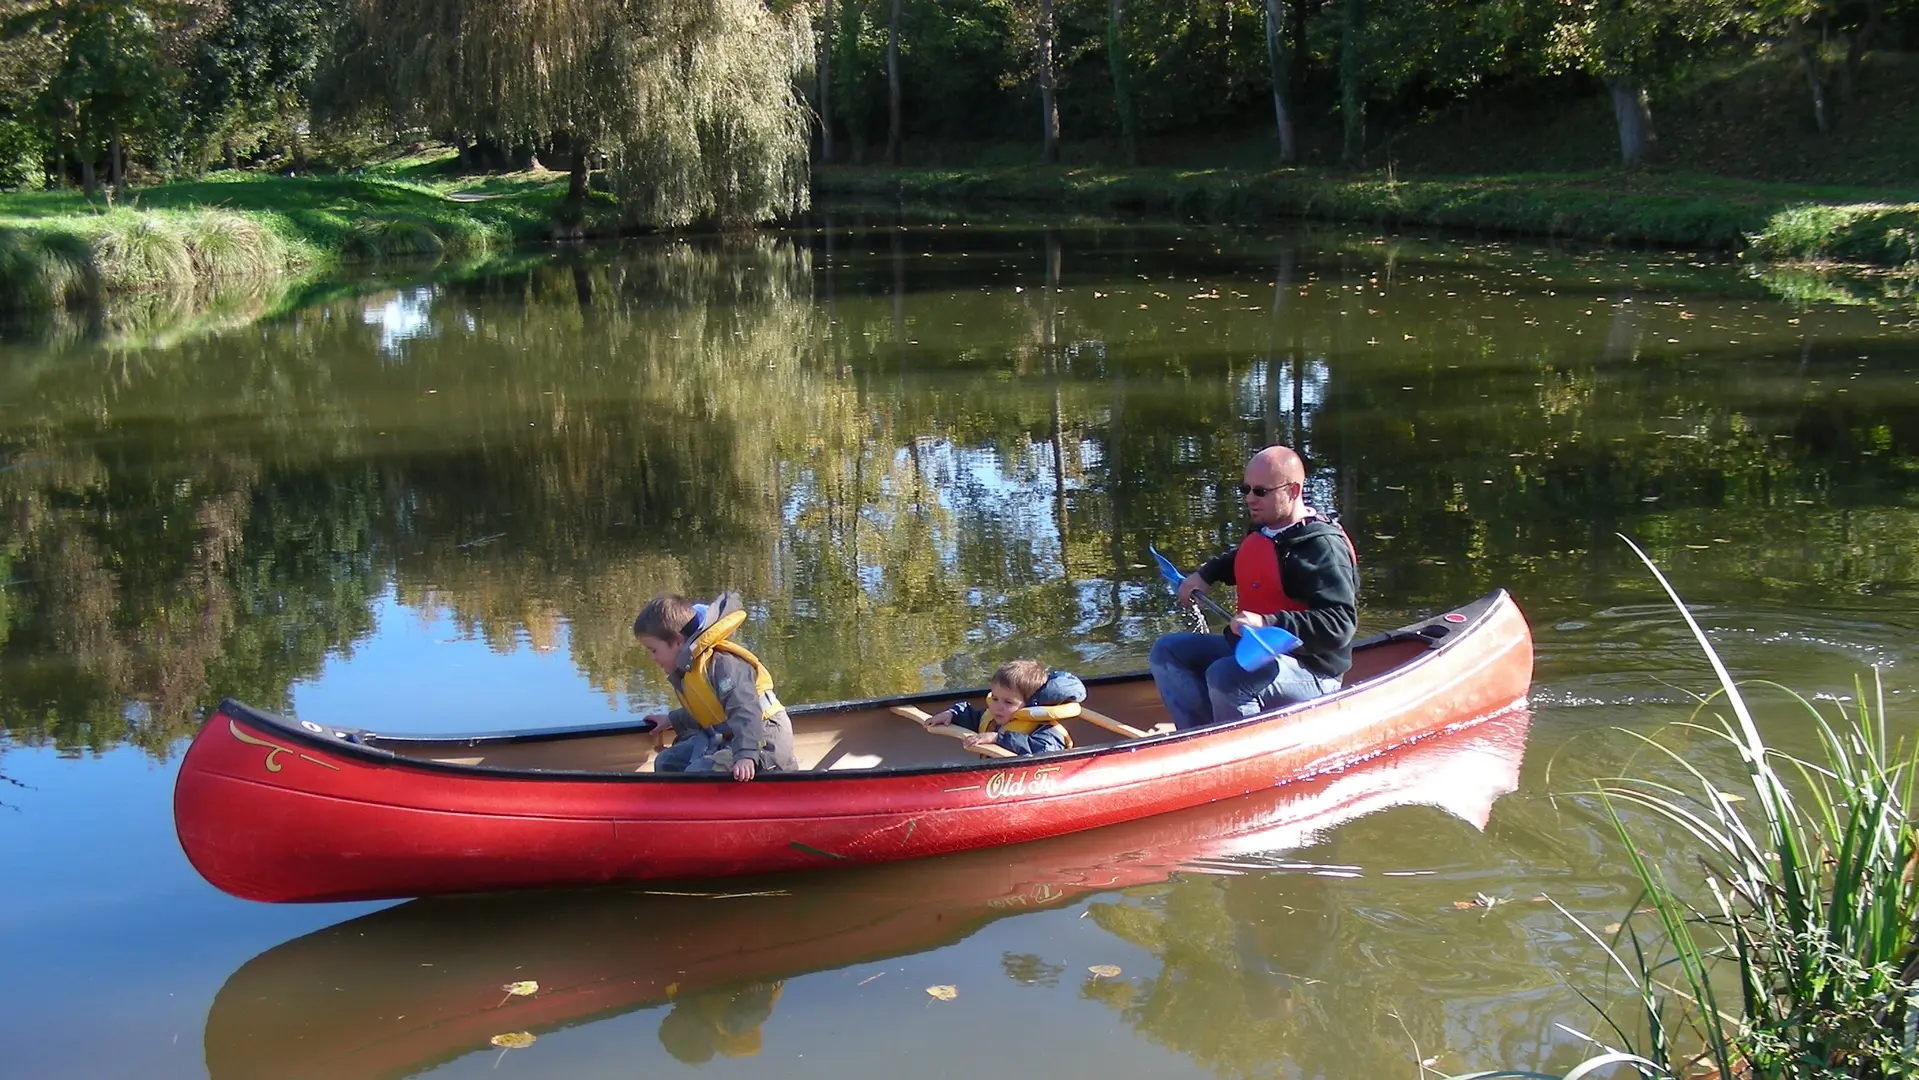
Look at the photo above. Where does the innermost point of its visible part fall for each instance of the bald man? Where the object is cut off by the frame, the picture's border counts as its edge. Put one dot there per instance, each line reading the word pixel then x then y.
pixel 1296 570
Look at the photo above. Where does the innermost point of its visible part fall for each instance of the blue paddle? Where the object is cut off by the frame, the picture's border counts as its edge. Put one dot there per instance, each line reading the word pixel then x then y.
pixel 1257 644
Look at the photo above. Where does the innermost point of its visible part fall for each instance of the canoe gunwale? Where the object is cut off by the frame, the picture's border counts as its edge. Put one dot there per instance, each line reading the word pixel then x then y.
pixel 349 742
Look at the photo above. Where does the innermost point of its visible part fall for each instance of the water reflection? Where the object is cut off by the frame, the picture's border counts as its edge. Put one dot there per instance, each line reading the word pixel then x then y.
pixel 915 449
pixel 400 990
pixel 920 451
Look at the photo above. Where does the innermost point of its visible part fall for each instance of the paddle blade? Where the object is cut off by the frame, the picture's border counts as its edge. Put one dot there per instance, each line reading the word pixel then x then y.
pixel 1262 646
pixel 1166 568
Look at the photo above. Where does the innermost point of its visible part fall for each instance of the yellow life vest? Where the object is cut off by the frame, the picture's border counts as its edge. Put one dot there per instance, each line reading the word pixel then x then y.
pixel 1033 717
pixel 696 692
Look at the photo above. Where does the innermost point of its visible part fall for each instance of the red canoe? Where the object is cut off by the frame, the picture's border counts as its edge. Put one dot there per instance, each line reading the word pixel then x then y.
pixel 281 810
pixel 399 991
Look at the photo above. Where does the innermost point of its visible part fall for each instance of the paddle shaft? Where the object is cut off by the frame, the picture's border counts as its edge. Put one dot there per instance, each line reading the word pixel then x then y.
pixel 1214 604
pixel 1252 634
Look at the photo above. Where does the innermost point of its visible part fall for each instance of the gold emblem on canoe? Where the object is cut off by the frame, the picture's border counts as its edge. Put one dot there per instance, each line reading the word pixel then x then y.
pixel 1006 785
pixel 273 749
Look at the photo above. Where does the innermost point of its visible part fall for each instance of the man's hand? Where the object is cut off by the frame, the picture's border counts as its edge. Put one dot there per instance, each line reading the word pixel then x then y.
pixel 1190 584
pixel 1245 620
pixel 743 770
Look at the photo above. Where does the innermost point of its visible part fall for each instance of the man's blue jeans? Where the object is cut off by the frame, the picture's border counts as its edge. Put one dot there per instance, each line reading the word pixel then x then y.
pixel 1201 683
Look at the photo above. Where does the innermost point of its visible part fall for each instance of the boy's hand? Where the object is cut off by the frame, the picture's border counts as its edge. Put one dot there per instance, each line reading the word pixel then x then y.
pixel 743 770
pixel 940 720
pixel 979 740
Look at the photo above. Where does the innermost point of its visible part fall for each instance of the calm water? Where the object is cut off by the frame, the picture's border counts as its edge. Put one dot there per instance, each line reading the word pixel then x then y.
pixel 918 451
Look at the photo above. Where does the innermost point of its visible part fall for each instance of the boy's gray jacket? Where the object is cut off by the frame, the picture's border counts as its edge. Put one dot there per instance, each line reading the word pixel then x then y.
pixel 757 727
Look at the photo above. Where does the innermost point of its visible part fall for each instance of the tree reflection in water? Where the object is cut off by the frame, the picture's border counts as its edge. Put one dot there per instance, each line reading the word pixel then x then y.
pixel 933 449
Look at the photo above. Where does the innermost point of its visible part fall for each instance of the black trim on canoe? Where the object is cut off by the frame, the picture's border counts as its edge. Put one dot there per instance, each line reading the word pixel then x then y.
pixel 1438 633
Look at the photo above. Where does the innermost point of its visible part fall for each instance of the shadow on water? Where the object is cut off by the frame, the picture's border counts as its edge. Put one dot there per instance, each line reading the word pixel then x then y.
pixel 396 992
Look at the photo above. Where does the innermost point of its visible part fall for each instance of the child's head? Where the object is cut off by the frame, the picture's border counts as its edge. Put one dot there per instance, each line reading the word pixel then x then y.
pixel 1014 684
pixel 661 627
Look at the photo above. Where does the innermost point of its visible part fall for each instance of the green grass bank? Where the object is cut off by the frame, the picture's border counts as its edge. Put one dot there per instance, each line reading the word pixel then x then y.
pixel 1774 221
pixel 58 249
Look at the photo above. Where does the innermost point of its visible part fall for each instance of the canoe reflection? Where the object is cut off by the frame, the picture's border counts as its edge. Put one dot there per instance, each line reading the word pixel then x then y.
pixel 403 989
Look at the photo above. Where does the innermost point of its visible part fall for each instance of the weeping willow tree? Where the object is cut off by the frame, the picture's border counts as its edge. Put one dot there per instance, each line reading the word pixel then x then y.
pixel 694 107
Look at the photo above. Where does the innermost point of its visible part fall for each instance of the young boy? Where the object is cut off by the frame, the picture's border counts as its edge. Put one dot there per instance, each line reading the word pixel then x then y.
pixel 727 718
pixel 1023 711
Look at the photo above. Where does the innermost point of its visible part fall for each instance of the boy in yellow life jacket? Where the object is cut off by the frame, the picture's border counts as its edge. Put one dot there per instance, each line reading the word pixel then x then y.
pixel 1024 707
pixel 728 718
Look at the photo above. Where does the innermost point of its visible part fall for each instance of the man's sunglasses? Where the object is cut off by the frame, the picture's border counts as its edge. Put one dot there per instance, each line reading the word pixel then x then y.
pixel 1262 492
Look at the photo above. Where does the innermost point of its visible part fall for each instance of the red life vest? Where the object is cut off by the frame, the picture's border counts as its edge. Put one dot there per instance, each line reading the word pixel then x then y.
pixel 1256 572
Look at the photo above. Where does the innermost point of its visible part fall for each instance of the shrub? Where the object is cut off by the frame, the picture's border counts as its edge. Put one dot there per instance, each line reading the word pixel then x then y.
pixel 226 245
pixel 142 251
pixel 45 269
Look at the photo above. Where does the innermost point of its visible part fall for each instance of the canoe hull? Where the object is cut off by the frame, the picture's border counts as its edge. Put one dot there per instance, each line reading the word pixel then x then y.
pixel 270 810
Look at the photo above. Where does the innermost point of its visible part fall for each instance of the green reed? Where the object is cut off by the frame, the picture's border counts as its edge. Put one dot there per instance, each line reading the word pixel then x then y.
pixel 1795 955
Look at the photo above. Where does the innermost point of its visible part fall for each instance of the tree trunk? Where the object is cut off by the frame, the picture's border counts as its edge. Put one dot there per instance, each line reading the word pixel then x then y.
pixel 1857 44
pixel 576 174
pixel 89 179
pixel 1633 111
pixel 826 87
pixel 1302 58
pixel 116 160
pixel 1809 56
pixel 1352 96
pixel 893 86
pixel 1048 102
pixel 1122 82
pixel 231 155
pixel 1276 62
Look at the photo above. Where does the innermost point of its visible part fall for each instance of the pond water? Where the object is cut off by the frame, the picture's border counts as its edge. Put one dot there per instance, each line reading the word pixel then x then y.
pixel 918 449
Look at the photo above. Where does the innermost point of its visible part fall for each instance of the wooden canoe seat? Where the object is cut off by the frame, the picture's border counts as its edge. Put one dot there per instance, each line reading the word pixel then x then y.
pixel 1099 719
pixel 984 749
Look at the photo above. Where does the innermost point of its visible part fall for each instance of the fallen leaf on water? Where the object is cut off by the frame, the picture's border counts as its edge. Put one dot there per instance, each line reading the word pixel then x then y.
pixel 1612 928
pixel 522 989
pixel 513 1040
pixel 1461 905
pixel 943 993
pixel 672 991
pixel 1104 971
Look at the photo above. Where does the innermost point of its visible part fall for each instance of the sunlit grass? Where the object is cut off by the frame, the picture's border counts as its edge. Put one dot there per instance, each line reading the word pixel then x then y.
pixel 1792 954
pixel 1775 220
pixel 57 249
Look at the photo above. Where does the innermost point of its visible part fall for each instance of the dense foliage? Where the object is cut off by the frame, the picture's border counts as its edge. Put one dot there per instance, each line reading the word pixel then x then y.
pixel 703 111
pixel 1350 72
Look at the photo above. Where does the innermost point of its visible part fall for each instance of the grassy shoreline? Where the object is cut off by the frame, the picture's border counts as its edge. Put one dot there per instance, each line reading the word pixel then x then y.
pixel 1774 221
pixel 57 250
